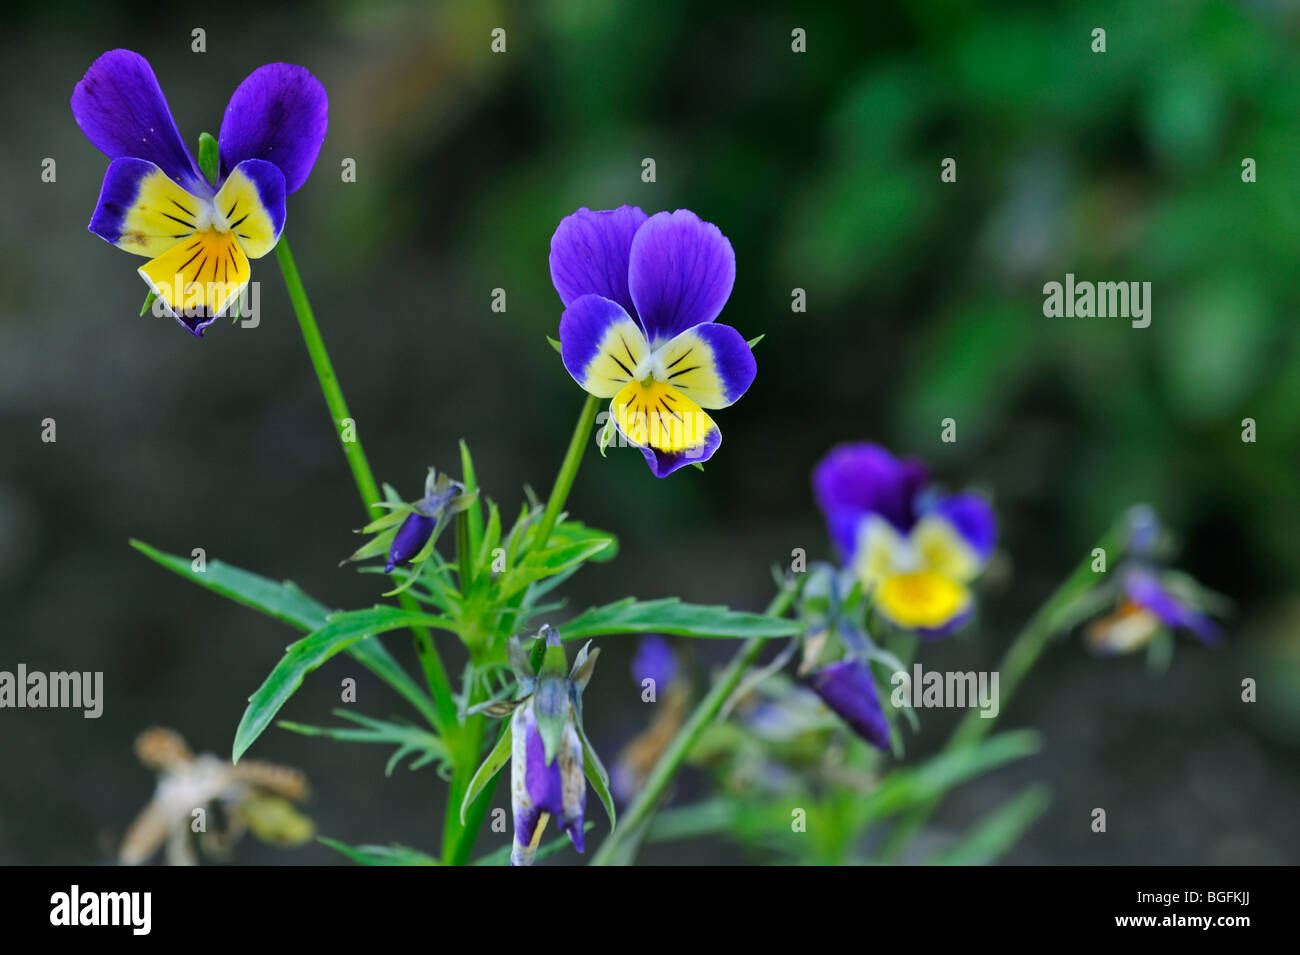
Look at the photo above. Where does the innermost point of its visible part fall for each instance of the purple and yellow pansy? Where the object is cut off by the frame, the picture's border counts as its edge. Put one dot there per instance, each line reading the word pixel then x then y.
pixel 641 295
pixel 915 551
pixel 155 202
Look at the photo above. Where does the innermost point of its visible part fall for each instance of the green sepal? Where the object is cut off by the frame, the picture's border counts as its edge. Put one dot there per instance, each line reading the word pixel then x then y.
pixel 597 776
pixel 606 436
pixel 490 767
pixel 209 157
pixel 554 344
pixel 754 341
pixel 148 300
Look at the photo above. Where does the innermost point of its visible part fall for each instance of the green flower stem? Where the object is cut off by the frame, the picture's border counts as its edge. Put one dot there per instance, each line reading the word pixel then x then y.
pixel 458 840
pixel 568 470
pixel 631 822
pixel 1057 614
pixel 435 674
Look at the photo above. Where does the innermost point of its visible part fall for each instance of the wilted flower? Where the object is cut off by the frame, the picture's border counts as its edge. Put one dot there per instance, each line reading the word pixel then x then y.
pixel 641 295
pixel 253 795
pixel 1149 598
pixel 547 746
pixel 915 551
pixel 408 532
pixel 155 201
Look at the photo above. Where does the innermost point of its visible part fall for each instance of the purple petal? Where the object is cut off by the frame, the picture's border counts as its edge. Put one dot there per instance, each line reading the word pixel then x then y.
pixel 849 690
pixel 411 536
pixel 121 108
pixel 680 274
pixel 856 480
pixel 544 783
pixel 973 519
pixel 590 253
pixel 280 114
pixel 710 364
pixel 601 345
pixel 1145 589
pixel 664 463
pixel 654 660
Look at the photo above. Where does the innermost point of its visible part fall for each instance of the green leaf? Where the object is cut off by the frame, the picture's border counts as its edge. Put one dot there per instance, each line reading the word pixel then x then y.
pixel 286 602
pixel 490 767
pixel 474 513
pixel 380 855
pixel 994 835
pixel 209 157
pixel 340 632
pixel 408 739
pixel 905 788
pixel 597 776
pixel 502 856
pixel 540 564
pixel 375 657
pixel 671 616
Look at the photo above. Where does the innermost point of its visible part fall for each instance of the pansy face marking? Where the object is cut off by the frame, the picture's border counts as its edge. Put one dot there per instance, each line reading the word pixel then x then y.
pixel 641 295
pixel 155 202
pixel 915 552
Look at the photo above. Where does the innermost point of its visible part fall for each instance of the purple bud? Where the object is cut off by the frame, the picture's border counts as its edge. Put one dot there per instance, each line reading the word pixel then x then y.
pixel 656 661
pixel 411 537
pixel 849 690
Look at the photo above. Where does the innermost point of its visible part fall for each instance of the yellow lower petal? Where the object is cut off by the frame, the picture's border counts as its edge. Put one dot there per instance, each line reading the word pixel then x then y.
pixel 656 415
pixel 203 274
pixel 922 600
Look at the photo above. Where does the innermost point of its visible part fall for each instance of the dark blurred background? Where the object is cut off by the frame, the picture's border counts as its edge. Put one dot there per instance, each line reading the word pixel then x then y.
pixel 924 301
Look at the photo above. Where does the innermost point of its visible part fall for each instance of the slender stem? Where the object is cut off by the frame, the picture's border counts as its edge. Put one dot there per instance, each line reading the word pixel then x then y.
pixel 435 674
pixel 329 382
pixel 647 800
pixel 458 840
pixel 568 470
pixel 1053 616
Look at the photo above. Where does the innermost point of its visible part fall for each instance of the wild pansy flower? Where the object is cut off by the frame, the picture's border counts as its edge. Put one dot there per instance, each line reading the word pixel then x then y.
pixel 408 532
pixel 641 294
pixel 547 746
pixel 915 551
pixel 252 795
pixel 155 201
pixel 1147 598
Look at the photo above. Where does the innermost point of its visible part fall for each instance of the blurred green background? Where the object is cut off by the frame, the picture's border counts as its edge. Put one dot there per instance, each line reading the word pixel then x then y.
pixel 924 301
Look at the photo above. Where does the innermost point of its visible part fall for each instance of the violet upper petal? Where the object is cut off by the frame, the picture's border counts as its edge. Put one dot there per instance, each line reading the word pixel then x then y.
pixel 680 273
pixel 854 481
pixel 121 108
pixel 280 114
pixel 590 251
